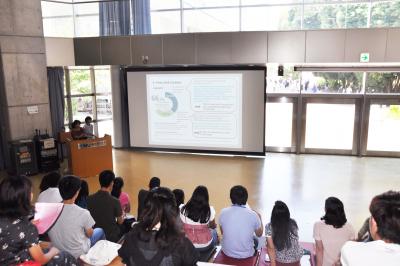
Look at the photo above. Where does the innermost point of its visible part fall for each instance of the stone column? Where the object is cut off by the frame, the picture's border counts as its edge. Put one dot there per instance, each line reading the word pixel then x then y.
pixel 23 81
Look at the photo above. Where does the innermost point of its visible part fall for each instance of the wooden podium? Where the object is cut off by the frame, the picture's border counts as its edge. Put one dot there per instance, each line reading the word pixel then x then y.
pixel 89 157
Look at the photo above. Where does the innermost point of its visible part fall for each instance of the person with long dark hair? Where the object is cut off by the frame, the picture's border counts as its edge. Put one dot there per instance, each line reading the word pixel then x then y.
pixel 157 240
pixel 81 200
pixel 282 236
pixel 331 233
pixel 49 192
pixel 123 197
pixel 198 219
pixel 19 239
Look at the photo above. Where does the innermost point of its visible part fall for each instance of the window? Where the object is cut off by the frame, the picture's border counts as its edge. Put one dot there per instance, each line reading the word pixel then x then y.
pixel 383 82
pixel 332 82
pixel 288 83
pixel 88 93
pixel 57 19
pixel 212 20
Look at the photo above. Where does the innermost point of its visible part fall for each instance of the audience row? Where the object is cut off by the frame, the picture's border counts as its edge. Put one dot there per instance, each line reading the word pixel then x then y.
pixel 169 231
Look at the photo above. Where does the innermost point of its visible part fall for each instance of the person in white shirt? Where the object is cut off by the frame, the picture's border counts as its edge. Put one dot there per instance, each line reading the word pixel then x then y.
pixel 385 231
pixel 49 192
pixel 88 127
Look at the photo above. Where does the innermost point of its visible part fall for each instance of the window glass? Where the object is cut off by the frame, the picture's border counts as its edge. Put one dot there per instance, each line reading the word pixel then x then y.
pixel 329 126
pixel 105 127
pixel 209 3
pixel 357 15
pixel 383 82
pixel 104 106
pixel 66 116
pixel 82 107
pixel 87 26
pixel 270 2
pixel 58 27
pixel 324 16
pixel 288 83
pixel 271 18
pixel 103 80
pixel 211 20
pixel 86 9
pixel 331 82
pixel 80 82
pixel 384 128
pixel 51 9
pixel 385 14
pixel 165 22
pixel 164 4
pixel 278 124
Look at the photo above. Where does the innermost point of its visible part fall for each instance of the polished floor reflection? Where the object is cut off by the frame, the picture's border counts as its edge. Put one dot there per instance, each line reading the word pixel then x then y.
pixel 302 181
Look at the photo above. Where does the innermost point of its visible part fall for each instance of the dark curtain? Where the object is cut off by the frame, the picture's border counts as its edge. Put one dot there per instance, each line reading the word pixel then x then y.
pixel 141 17
pixel 55 78
pixel 115 18
pixel 124 110
pixel 4 158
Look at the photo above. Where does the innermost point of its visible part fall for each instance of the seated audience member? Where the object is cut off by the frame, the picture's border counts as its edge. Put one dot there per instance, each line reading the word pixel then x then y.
pixel 88 126
pixel 122 196
pixel 81 200
pixel 331 233
pixel 19 239
pixel 179 196
pixel 154 183
pixel 385 231
pixel 238 225
pixel 105 209
pixel 73 230
pixel 198 219
pixel 156 239
pixel 282 236
pixel 49 192
pixel 77 132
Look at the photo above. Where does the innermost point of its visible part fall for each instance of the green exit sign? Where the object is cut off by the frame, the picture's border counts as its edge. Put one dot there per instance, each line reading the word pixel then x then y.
pixel 364 57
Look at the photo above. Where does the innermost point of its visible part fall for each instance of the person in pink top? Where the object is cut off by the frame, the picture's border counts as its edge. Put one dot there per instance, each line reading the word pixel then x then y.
pixel 122 196
pixel 331 233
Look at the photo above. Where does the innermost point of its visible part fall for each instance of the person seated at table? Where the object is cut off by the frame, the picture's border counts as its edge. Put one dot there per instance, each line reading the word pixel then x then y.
pixel 76 131
pixel 88 126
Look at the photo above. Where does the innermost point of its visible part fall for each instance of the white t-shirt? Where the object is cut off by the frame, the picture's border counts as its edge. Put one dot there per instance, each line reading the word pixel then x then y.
pixel 88 129
pixel 332 239
pixel 371 253
pixel 50 195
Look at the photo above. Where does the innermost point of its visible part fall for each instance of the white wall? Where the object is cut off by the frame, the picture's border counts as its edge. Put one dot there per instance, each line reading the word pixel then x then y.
pixel 60 51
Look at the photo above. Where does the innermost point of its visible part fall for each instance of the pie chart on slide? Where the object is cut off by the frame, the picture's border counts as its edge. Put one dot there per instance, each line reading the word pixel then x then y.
pixel 166 105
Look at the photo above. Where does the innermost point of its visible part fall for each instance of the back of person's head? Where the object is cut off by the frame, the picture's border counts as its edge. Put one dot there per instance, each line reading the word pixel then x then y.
pixel 239 195
pixel 106 178
pixel 15 197
pixel 88 119
pixel 154 182
pixel 75 123
pixel 117 187
pixel 84 192
pixel 68 186
pixel 282 225
pixel 198 207
pixel 49 180
pixel 160 207
pixel 179 196
pixel 334 212
pixel 385 210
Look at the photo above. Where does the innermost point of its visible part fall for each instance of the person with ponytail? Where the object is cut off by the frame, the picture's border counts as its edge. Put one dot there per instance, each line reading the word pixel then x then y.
pixel 282 236
pixel 157 239
pixel 331 233
pixel 123 197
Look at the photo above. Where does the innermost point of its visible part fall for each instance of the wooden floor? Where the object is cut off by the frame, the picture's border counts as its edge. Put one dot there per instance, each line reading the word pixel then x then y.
pixel 302 181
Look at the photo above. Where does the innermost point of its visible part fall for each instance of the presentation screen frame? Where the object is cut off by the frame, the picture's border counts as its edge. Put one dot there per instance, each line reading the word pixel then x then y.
pixel 183 68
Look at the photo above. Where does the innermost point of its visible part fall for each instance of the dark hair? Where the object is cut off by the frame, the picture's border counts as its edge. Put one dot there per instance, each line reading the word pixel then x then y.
pixel 68 186
pixel 154 182
pixel 334 212
pixel 49 180
pixel 106 178
pixel 15 197
pixel 238 195
pixel 160 207
pixel 87 119
pixel 198 207
pixel 117 187
pixel 76 122
pixel 179 196
pixel 283 227
pixel 385 209
pixel 84 192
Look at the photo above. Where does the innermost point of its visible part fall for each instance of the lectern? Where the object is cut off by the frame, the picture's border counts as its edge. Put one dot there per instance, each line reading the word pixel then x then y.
pixel 88 157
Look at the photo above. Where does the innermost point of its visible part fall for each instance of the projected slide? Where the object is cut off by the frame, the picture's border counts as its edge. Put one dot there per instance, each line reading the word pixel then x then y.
pixel 195 109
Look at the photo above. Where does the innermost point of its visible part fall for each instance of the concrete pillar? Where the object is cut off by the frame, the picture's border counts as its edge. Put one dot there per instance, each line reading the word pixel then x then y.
pixel 23 81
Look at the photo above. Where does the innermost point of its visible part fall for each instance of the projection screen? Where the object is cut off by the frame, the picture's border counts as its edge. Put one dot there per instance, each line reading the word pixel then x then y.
pixel 213 109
